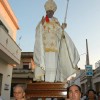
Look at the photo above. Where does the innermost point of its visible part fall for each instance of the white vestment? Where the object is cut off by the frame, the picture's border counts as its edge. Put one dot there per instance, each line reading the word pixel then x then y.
pixel 55 57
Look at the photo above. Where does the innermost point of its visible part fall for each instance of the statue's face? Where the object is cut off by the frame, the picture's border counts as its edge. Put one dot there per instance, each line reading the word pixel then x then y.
pixel 50 13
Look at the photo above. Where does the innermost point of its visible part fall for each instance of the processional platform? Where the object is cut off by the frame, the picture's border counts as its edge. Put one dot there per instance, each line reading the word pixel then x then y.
pixel 46 90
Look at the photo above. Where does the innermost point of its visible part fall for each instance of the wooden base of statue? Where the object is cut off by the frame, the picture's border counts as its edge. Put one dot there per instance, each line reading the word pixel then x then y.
pixel 46 90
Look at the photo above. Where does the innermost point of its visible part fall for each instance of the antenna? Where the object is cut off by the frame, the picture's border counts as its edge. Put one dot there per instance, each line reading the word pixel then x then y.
pixel 19 40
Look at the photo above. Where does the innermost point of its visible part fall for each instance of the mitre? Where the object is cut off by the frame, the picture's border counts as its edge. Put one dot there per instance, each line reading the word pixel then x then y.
pixel 50 5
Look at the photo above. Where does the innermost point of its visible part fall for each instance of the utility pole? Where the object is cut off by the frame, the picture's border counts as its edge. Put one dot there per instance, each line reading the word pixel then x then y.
pixel 87 54
pixel 88 67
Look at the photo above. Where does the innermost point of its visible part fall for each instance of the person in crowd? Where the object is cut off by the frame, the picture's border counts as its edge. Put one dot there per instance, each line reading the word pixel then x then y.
pixel 54 52
pixel 19 92
pixel 74 92
pixel 91 95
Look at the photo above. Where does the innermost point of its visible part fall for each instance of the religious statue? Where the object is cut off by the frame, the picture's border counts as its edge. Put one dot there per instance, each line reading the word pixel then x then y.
pixel 55 55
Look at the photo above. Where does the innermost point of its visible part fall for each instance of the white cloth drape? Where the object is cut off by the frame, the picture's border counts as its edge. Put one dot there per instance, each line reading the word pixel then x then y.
pixel 64 64
pixel 68 58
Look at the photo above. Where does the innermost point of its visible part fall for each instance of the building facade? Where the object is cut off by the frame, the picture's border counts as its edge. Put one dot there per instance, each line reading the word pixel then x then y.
pixel 23 73
pixel 96 79
pixel 82 80
pixel 9 51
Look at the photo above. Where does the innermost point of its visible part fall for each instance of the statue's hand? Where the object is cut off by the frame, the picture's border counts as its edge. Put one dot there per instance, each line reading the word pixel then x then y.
pixel 42 20
pixel 64 25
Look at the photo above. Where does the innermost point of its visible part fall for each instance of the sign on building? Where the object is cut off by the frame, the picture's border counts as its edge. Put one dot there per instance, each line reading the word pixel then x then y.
pixel 89 71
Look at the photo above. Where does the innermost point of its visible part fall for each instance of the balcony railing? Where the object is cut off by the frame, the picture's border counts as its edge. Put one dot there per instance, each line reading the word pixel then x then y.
pixel 22 71
pixel 9 50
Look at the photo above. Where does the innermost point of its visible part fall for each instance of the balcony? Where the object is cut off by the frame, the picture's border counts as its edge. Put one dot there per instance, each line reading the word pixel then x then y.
pixel 21 71
pixel 9 50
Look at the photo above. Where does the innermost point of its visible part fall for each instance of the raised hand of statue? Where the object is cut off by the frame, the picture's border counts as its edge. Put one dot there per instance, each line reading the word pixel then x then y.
pixel 64 25
pixel 43 20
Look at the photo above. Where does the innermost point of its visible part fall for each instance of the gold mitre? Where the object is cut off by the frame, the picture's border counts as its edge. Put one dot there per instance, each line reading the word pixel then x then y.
pixel 50 5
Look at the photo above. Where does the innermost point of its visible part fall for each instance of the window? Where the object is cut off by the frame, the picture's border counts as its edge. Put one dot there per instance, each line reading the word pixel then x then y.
pixel 3 26
pixel 26 66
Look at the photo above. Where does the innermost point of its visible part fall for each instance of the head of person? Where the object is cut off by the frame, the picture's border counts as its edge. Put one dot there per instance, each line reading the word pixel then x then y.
pixel 19 92
pixel 91 94
pixel 74 92
pixel 50 7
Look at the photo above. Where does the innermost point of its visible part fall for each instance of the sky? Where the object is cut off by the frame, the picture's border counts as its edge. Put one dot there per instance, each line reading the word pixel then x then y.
pixel 83 22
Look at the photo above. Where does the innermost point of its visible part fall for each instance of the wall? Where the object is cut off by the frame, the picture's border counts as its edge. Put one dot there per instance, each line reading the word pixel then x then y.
pixel 7 15
pixel 6 70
